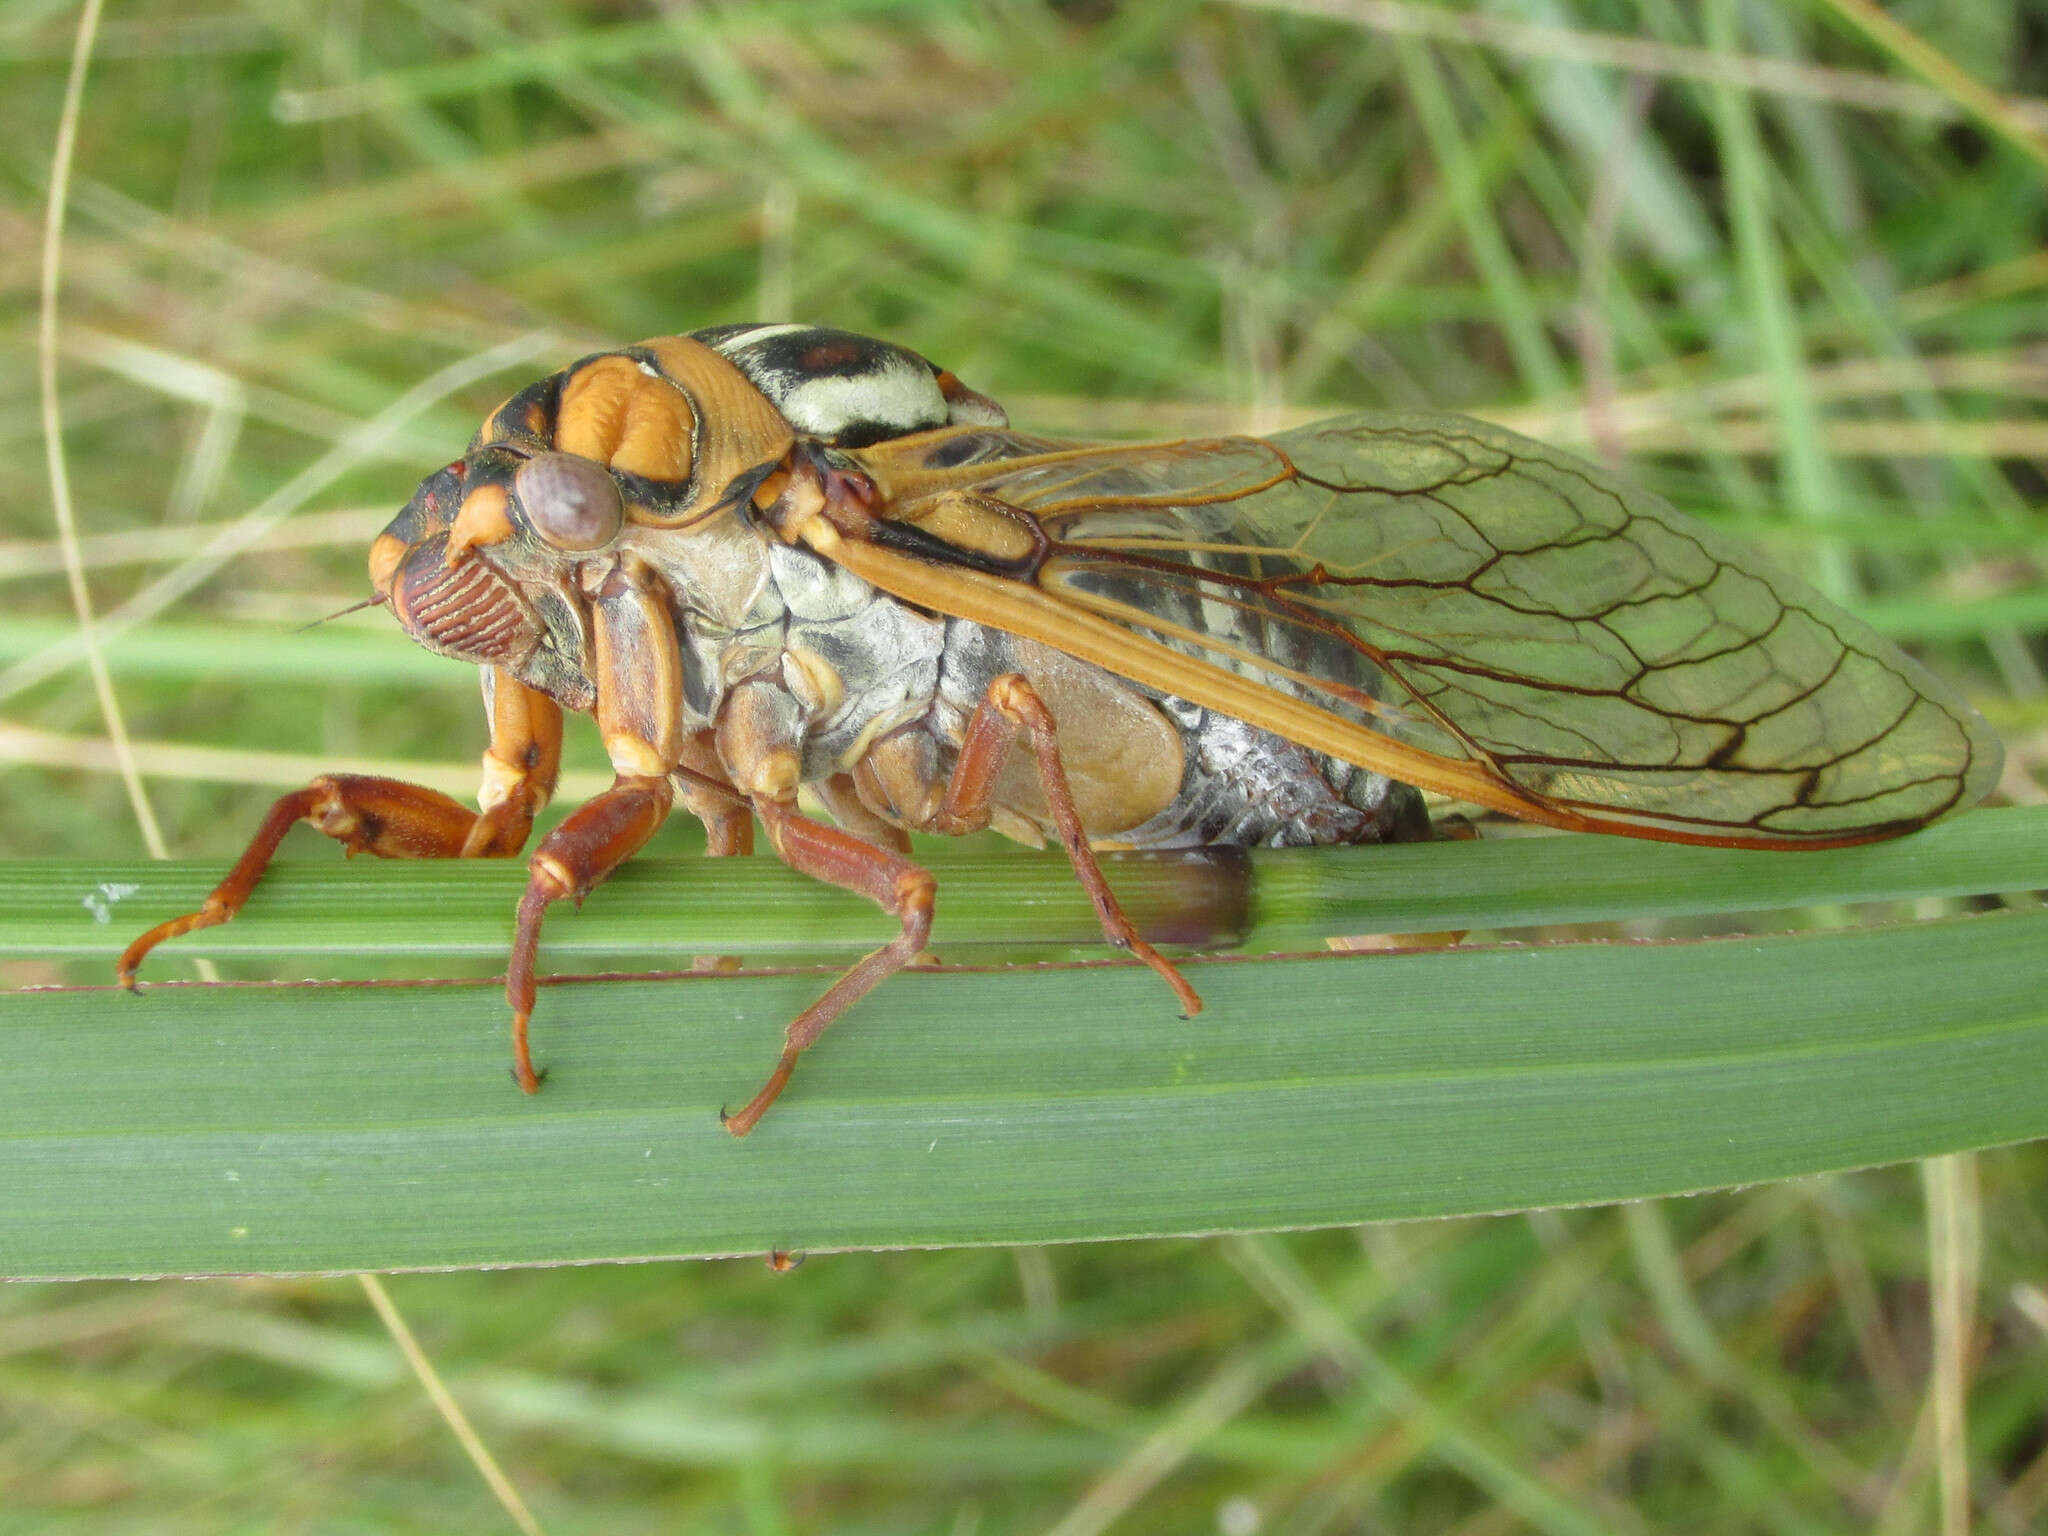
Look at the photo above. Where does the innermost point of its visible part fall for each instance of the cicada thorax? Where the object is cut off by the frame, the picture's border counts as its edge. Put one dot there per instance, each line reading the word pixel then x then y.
pixel 846 390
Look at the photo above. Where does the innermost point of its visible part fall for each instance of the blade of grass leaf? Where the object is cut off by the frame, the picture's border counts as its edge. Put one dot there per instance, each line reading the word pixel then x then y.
pixel 1510 300
pixel 294 1128
pixel 252 654
pixel 230 765
pixel 2002 117
pixel 1810 476
pixel 991 895
pixel 1867 91
pixel 87 630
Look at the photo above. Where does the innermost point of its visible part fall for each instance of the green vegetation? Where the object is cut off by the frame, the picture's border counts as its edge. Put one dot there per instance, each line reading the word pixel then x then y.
pixel 1783 264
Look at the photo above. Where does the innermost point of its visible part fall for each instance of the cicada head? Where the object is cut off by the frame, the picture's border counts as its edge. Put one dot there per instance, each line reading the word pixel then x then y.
pixel 624 456
pixel 434 568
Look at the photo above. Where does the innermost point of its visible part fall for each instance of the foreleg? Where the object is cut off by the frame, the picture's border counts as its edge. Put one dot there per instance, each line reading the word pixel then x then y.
pixel 573 860
pixel 396 820
pixel 639 674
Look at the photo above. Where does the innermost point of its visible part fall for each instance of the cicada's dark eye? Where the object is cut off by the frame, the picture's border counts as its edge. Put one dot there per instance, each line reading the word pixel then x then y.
pixel 572 502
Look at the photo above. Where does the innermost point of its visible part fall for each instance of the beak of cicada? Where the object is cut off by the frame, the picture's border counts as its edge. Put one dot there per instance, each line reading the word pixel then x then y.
pixel 464 608
pixel 374 600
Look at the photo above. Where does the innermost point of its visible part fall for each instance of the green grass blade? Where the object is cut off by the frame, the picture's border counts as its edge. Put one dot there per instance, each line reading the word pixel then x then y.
pixel 265 655
pixel 995 896
pixel 204 1129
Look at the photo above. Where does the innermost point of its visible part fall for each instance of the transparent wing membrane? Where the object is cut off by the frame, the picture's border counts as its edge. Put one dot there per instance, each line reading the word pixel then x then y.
pixel 1498 604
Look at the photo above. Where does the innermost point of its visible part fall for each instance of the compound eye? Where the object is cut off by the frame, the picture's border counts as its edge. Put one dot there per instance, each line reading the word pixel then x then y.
pixel 572 502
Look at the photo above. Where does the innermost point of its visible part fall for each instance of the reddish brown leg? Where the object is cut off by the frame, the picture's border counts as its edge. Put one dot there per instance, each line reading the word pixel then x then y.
pixel 572 861
pixel 896 885
pixel 1011 705
pixel 386 817
pixel 396 820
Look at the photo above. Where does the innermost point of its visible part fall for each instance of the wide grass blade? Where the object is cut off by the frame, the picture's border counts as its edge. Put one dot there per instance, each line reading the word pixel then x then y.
pixel 282 1128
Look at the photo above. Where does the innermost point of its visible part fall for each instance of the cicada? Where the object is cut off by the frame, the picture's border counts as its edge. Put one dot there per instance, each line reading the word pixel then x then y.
pixel 777 558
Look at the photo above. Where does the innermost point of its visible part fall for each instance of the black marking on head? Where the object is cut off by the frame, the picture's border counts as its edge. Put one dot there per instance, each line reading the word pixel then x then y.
pixel 527 420
pixel 432 507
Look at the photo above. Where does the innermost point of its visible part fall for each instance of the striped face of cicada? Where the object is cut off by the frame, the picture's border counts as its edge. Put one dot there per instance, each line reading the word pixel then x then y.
pixel 450 597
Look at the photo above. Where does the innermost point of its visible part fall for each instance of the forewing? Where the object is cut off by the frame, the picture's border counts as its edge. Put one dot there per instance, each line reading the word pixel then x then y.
pixel 1511 609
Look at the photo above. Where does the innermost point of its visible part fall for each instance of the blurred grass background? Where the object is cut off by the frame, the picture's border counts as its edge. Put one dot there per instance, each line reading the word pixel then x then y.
pixel 1784 262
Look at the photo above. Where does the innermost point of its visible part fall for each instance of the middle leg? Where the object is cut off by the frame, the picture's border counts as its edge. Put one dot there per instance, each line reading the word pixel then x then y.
pixel 904 890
